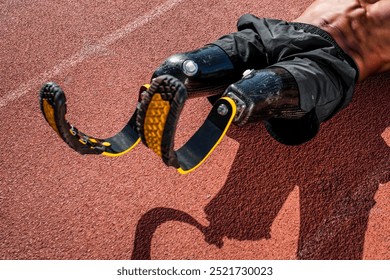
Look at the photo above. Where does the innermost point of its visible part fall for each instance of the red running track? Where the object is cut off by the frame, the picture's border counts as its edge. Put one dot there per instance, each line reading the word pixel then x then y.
pixel 252 199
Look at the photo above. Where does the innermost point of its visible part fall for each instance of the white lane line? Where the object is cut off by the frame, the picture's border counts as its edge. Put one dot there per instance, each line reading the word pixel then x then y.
pixel 89 51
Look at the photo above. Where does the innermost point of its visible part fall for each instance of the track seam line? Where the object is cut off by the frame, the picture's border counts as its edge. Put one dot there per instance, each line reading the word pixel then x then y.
pixel 89 51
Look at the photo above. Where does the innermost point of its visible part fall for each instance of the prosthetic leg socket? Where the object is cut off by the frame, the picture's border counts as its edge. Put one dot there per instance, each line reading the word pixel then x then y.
pixel 205 72
pixel 265 94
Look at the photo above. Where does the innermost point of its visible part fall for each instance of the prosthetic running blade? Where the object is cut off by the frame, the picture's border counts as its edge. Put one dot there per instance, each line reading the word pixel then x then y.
pixel 157 118
pixel 154 122
pixel 53 106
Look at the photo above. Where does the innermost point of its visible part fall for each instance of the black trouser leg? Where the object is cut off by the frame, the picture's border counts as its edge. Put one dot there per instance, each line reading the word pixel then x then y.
pixel 323 74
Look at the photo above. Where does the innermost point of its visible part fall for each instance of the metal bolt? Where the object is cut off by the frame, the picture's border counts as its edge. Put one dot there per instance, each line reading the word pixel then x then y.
pixel 247 72
pixel 223 110
pixel 190 68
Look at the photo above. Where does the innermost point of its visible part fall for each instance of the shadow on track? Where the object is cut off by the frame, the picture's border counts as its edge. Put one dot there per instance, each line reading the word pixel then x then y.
pixel 338 174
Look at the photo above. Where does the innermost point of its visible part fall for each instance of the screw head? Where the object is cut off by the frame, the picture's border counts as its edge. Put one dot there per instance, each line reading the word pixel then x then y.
pixel 222 110
pixel 190 68
pixel 247 73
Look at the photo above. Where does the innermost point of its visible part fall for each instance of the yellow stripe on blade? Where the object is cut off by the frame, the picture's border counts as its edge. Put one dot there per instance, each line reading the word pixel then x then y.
pixel 48 110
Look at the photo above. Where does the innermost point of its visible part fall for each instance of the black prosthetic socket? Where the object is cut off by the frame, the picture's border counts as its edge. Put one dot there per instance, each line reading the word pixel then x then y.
pixel 205 72
pixel 265 94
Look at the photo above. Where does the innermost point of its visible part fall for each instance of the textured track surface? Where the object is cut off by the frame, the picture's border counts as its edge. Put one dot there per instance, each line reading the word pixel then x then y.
pixel 252 199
